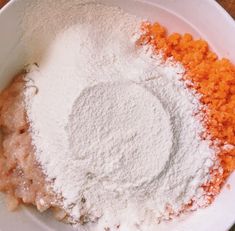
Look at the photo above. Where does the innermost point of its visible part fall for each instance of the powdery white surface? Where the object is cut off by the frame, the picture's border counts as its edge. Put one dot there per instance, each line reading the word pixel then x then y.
pixel 112 124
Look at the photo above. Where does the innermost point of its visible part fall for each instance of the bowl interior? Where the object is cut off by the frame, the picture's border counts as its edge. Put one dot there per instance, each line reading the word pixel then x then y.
pixel 179 16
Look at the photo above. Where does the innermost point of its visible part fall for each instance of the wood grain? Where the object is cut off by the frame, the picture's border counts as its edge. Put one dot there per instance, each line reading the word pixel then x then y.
pixel 2 3
pixel 228 5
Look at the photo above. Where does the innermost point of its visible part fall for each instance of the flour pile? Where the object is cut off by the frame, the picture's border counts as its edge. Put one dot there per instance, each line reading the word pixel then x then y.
pixel 111 123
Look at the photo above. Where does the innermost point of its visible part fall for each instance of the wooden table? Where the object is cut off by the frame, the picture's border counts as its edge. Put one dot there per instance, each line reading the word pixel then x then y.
pixel 229 5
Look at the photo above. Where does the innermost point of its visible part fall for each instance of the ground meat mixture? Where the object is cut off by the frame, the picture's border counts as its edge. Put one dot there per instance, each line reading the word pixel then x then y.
pixel 21 178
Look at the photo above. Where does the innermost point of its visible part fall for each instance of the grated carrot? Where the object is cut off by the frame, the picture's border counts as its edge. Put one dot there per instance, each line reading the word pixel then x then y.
pixel 214 80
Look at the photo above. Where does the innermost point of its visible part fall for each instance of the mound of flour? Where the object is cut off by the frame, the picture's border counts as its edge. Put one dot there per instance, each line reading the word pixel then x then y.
pixel 111 123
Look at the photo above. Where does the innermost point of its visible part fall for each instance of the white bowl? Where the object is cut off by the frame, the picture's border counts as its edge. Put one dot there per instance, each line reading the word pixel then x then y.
pixel 204 19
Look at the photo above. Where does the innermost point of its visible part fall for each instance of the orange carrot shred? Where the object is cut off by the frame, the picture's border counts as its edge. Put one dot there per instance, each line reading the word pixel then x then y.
pixel 214 80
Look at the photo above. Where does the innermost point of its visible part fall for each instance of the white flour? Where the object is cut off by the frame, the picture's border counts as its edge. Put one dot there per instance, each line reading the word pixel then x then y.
pixel 112 124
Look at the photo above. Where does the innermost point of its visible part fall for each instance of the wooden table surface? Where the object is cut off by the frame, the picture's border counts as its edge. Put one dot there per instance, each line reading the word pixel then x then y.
pixel 228 5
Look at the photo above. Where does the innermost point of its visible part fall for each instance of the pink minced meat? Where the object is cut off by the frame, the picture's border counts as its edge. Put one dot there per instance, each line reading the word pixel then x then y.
pixel 21 178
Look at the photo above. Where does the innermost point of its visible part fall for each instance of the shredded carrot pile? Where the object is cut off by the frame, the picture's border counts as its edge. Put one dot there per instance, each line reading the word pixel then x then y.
pixel 214 80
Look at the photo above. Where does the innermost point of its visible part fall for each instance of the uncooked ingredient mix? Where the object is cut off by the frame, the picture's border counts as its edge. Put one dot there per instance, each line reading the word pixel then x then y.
pixel 114 124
